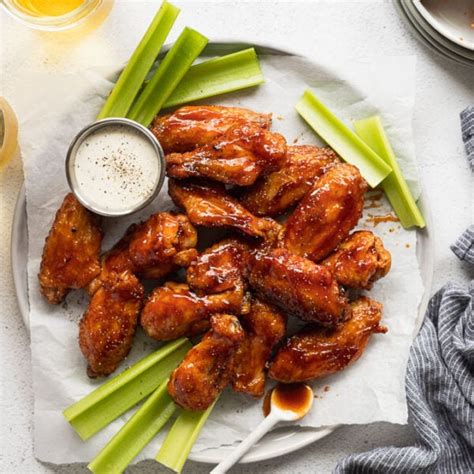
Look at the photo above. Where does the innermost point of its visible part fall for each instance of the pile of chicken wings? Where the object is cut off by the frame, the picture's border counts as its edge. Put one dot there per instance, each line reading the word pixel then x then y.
pixel 227 169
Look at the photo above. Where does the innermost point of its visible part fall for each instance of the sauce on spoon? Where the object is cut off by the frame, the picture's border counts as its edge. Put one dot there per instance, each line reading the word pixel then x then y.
pixel 293 397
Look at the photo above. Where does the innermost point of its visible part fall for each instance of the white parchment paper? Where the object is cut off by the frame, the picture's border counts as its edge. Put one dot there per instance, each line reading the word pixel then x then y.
pixel 371 390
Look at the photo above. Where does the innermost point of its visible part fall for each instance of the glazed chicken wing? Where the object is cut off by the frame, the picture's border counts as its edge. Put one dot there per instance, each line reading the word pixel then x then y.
pixel 359 261
pixel 276 192
pixel 316 352
pixel 173 310
pixel 210 206
pixel 194 126
pixel 107 328
pixel 71 251
pixel 298 286
pixel 151 249
pixel 237 157
pixel 264 327
pixel 219 268
pixel 207 368
pixel 326 215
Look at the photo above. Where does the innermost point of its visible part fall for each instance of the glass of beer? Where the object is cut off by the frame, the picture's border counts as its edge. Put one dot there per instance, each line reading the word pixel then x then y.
pixel 51 15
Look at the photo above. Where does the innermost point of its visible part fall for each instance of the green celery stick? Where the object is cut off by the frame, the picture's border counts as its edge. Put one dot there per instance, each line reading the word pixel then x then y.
pixel 131 79
pixel 371 131
pixel 183 434
pixel 139 430
pixel 217 76
pixel 342 139
pixel 167 76
pixel 95 411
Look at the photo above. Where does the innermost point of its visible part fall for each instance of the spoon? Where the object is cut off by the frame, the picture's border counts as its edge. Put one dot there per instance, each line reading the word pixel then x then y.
pixel 289 402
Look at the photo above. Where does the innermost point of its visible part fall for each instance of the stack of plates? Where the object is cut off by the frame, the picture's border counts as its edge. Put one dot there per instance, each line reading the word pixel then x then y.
pixel 445 26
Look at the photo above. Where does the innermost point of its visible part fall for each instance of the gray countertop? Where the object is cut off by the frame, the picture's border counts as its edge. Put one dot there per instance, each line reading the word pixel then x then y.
pixel 357 28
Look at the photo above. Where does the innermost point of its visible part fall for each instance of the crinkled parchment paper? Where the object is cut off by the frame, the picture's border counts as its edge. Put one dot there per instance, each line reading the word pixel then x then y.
pixel 371 390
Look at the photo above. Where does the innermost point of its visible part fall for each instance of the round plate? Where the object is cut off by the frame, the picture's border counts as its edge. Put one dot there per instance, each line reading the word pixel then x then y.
pixel 450 19
pixel 281 440
pixel 435 35
pixel 428 37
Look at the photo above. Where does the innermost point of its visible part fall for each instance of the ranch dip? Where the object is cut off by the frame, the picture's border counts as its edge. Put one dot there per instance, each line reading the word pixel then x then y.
pixel 115 167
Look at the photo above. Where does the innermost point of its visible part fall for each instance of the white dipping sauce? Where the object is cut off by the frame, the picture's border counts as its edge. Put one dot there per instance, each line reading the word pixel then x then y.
pixel 115 169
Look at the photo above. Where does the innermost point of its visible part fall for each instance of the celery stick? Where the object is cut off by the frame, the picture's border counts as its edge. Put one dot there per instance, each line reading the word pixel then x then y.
pixel 218 76
pixel 90 414
pixel 398 193
pixel 169 73
pixel 131 79
pixel 183 434
pixel 135 434
pixel 343 140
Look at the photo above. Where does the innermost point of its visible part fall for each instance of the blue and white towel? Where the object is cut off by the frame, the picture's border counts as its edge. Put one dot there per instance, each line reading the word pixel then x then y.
pixel 440 377
pixel 464 246
pixel 467 129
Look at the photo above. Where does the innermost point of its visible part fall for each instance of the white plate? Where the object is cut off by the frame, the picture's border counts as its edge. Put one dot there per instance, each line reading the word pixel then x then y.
pixel 452 19
pixel 435 35
pixel 282 440
pixel 428 36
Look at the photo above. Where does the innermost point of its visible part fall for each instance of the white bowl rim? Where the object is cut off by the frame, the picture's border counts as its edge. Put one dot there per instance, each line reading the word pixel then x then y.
pixel 426 37
pixel 440 28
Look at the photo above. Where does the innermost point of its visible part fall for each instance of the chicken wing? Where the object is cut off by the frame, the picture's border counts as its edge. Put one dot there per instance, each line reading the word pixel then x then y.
pixel 264 327
pixel 210 206
pixel 316 352
pixel 194 126
pixel 219 268
pixel 151 249
pixel 276 192
pixel 207 368
pixel 324 218
pixel 237 157
pixel 298 286
pixel 359 261
pixel 107 328
pixel 173 310
pixel 71 254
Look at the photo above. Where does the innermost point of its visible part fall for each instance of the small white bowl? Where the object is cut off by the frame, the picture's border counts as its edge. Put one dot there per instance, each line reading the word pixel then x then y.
pixel 454 19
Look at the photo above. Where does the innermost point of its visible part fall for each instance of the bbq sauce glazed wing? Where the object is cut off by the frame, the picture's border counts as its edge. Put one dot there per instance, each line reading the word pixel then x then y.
pixel 207 368
pixel 151 249
pixel 219 268
pixel 359 261
pixel 173 310
pixel 191 127
pixel 264 327
pixel 316 352
pixel 276 192
pixel 237 157
pixel 71 251
pixel 210 206
pixel 163 239
pixel 298 286
pixel 325 216
pixel 107 328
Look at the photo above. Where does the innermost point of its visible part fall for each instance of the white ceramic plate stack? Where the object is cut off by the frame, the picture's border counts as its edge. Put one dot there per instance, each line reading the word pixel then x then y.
pixel 445 26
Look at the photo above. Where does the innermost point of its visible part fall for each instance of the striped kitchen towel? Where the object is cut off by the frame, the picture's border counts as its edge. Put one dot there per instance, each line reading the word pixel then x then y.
pixel 440 394
pixel 440 377
pixel 467 128
pixel 464 246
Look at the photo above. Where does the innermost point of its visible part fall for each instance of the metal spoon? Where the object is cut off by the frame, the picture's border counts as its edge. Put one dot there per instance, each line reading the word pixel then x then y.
pixel 288 403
